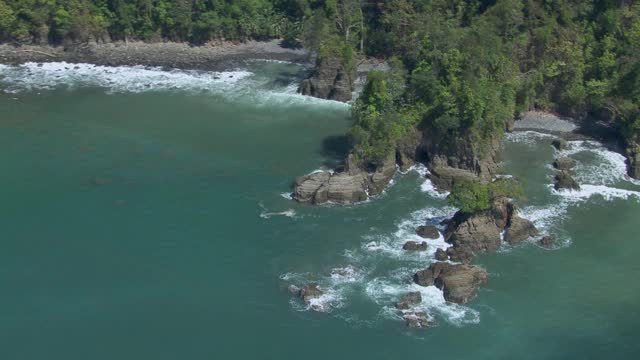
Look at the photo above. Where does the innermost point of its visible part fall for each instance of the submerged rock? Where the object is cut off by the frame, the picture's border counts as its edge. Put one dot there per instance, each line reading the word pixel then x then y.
pixel 564 180
pixel 458 282
pixel 564 163
pixel 415 246
pixel 546 241
pixel 428 232
pixel 560 144
pixel 409 300
pixel 307 292
pixel 415 319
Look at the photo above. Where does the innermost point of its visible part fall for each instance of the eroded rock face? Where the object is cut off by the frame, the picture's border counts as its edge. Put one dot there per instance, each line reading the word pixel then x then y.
pixel 564 180
pixel 471 234
pixel 415 246
pixel 347 187
pixel 458 282
pixel 633 159
pixel 409 300
pixel 441 255
pixel 428 232
pixel 564 163
pixel 330 80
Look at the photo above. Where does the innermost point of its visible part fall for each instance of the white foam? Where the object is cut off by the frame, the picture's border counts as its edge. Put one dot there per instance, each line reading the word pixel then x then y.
pixel 527 137
pixel 288 213
pixel 608 168
pixel 588 191
pixel 287 195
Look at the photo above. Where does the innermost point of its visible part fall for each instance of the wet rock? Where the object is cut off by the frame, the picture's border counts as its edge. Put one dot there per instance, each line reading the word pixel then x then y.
pixel 441 255
pixel 308 292
pixel 409 300
pixel 428 232
pixel 458 282
pixel 415 319
pixel 564 163
pixel 415 246
pixel 519 230
pixel 460 254
pixel 560 144
pixel 564 180
pixel 633 160
pixel 546 241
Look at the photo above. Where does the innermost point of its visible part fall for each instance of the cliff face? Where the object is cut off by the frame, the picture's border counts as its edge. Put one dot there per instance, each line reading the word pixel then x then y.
pixel 633 158
pixel 330 80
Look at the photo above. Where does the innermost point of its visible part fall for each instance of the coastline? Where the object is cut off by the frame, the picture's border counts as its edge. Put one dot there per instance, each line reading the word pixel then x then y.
pixel 211 57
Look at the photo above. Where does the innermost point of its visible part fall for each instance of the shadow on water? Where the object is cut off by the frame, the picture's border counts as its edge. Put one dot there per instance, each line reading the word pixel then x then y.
pixel 335 148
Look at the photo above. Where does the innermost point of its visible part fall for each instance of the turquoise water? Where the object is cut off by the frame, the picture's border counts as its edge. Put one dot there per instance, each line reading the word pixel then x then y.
pixel 144 216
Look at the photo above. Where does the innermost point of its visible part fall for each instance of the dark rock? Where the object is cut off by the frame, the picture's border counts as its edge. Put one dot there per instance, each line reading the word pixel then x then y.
pixel 460 254
pixel 441 255
pixel 458 282
pixel 309 291
pixel 409 300
pixel 560 144
pixel 546 241
pixel 564 180
pixel 408 149
pixel 330 80
pixel 428 232
pixel 416 319
pixel 444 177
pixel 564 163
pixel 633 160
pixel 519 230
pixel 414 246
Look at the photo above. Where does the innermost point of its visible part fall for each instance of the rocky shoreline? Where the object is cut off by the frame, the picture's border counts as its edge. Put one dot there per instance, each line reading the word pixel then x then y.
pixel 217 56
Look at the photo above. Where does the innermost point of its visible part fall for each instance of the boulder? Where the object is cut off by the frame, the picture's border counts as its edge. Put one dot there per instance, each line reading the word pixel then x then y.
pixel 564 180
pixel 415 319
pixel 560 144
pixel 409 300
pixel 519 230
pixel 458 282
pixel 564 163
pixel 415 246
pixel 546 241
pixel 441 255
pixel 428 232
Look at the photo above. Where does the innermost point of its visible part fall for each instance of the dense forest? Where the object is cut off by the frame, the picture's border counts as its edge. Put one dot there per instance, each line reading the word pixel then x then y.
pixel 460 68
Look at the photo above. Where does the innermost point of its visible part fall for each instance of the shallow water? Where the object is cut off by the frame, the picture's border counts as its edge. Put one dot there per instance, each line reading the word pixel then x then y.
pixel 143 217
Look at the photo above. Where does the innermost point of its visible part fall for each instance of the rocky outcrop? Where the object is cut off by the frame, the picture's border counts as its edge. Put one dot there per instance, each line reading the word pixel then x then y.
pixel 482 231
pixel 459 159
pixel 560 144
pixel 347 187
pixel 441 255
pixel 563 180
pixel 564 163
pixel 415 246
pixel 546 241
pixel 307 292
pixel 415 319
pixel 408 150
pixel 428 232
pixel 458 282
pixel 409 300
pixel 330 80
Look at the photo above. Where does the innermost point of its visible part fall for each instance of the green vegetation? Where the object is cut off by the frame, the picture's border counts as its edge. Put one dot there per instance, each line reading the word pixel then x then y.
pixel 472 196
pixel 463 68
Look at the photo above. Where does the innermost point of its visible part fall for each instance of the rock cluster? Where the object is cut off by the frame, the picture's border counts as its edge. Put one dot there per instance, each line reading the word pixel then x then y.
pixel 458 282
pixel 428 232
pixel 482 231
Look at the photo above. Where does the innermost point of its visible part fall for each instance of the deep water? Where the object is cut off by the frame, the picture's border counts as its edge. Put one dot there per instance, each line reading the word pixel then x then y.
pixel 144 216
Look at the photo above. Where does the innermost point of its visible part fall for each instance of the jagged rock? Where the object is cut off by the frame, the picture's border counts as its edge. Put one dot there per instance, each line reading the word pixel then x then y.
pixel 309 291
pixel 330 80
pixel 460 254
pixel 444 177
pixel 458 282
pixel 560 144
pixel 347 187
pixel 428 232
pixel 564 180
pixel 408 149
pixel 409 300
pixel 441 255
pixel 519 230
pixel 416 319
pixel 415 246
pixel 546 241
pixel 564 163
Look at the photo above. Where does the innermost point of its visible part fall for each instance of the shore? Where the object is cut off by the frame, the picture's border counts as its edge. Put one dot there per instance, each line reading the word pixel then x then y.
pixel 211 57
